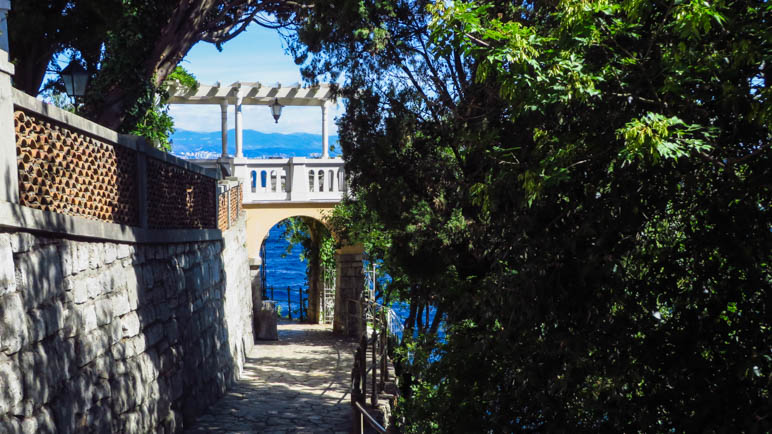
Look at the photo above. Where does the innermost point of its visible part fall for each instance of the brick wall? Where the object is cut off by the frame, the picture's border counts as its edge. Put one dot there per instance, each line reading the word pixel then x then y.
pixel 64 170
pixel 222 211
pixel 229 204
pixel 178 198
pixel 235 200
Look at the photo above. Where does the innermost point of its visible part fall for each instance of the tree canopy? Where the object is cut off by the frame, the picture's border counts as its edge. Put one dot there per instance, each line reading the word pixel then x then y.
pixel 129 47
pixel 582 188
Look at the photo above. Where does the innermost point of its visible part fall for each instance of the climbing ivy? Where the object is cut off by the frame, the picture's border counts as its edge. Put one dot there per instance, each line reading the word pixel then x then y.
pixel 156 125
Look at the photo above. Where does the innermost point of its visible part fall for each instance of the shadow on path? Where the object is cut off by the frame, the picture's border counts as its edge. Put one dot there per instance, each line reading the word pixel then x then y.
pixel 299 383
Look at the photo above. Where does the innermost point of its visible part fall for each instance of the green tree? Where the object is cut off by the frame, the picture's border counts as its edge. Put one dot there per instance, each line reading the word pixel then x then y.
pixel 129 47
pixel 317 251
pixel 583 188
pixel 157 125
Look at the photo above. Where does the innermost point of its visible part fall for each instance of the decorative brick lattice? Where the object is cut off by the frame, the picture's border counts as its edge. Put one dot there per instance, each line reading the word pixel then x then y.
pixel 66 171
pixel 235 202
pixel 179 198
pixel 222 208
pixel 241 195
pixel 236 196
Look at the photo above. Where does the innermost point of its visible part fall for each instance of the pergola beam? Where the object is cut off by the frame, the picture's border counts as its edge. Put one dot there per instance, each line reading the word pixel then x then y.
pixel 253 94
pixel 240 94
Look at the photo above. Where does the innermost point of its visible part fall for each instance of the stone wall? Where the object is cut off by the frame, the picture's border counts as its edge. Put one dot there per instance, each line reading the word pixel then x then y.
pixel 350 283
pixel 106 337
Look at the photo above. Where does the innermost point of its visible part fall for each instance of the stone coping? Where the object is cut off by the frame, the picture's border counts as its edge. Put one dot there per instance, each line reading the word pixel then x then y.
pixel 16 216
pixel 135 143
pixel 5 66
pixel 292 203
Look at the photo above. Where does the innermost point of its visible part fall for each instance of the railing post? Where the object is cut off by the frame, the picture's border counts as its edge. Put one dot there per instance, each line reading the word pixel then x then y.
pixel 289 303
pixel 363 364
pixel 374 391
pixel 356 393
pixel 9 184
pixel 384 351
pixel 300 296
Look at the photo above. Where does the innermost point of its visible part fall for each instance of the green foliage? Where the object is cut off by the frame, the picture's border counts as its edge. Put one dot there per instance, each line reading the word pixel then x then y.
pixel 156 125
pixel 581 188
pixel 314 239
pixel 657 136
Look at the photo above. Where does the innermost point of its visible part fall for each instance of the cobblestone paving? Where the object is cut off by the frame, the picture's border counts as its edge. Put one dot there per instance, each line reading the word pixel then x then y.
pixel 299 383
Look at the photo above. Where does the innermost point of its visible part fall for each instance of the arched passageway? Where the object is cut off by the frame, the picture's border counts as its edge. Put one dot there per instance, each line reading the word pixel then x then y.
pixel 298 269
pixel 261 217
pixel 349 280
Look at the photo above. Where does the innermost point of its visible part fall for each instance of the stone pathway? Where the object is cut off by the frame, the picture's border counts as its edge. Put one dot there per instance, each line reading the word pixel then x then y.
pixel 299 383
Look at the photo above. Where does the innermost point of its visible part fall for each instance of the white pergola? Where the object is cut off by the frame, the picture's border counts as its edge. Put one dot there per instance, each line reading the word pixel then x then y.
pixel 243 93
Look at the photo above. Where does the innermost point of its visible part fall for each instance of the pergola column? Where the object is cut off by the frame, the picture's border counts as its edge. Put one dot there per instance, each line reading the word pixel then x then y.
pixel 5 6
pixel 239 126
pixel 325 139
pixel 224 127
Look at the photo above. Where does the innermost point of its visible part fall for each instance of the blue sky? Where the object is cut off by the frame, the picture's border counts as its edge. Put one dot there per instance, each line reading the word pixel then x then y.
pixel 255 55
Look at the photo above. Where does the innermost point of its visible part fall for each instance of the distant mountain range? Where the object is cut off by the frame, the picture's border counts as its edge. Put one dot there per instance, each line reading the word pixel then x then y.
pixel 192 144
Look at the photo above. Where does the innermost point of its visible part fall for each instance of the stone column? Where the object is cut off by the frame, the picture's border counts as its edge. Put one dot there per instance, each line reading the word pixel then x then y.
pixel 224 127
pixel 325 139
pixel 9 175
pixel 239 126
pixel 349 287
pixel 5 6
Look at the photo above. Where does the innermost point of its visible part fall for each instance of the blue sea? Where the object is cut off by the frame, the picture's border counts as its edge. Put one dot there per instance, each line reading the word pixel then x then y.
pixel 286 270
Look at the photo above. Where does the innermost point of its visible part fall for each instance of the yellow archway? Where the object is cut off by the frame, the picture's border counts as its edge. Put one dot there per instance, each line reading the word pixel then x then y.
pixel 261 217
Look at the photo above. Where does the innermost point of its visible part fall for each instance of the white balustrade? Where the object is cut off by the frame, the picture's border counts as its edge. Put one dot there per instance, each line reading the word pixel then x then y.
pixel 265 180
pixel 296 179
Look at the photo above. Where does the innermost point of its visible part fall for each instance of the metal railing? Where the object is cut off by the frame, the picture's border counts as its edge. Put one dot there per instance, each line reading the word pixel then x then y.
pixel 302 301
pixel 377 373
pixel 365 416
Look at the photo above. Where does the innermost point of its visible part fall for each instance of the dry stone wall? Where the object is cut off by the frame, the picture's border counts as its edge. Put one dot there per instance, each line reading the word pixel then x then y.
pixel 105 337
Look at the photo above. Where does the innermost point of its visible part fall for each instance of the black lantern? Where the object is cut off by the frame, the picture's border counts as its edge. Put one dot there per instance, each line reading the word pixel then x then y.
pixel 276 109
pixel 75 79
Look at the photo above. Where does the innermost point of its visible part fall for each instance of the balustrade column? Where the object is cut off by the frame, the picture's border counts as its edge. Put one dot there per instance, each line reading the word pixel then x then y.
pixel 224 128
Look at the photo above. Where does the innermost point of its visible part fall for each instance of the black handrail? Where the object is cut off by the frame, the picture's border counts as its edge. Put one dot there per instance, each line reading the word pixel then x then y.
pixel 365 416
pixel 362 374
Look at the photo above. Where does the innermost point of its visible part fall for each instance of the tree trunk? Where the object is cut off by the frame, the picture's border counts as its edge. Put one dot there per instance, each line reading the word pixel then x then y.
pixel 183 29
pixel 32 41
